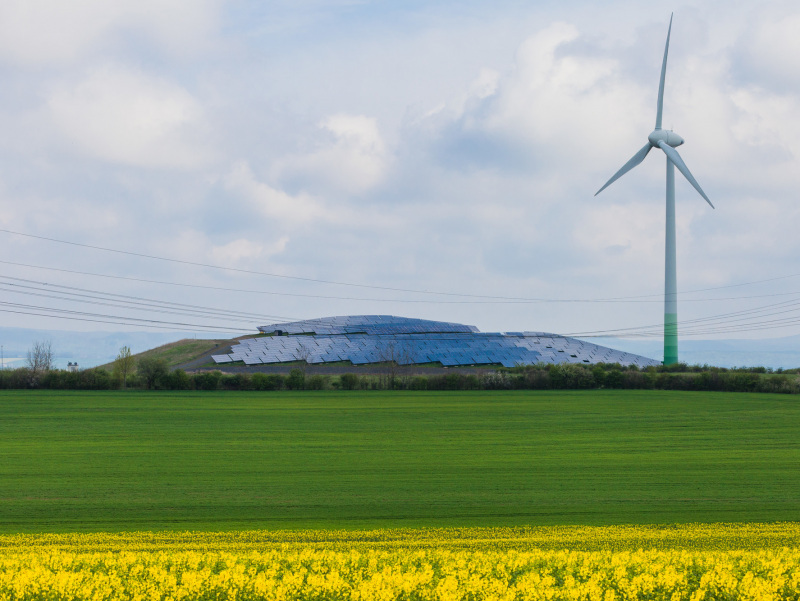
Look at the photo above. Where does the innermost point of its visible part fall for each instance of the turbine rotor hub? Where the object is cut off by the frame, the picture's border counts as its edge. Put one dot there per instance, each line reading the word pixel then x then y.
pixel 669 136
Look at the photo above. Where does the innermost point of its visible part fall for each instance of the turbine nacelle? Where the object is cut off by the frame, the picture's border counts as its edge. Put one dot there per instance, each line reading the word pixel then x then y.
pixel 667 136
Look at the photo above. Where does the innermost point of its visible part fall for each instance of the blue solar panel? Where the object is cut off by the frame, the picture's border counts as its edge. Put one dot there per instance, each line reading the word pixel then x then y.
pixel 364 339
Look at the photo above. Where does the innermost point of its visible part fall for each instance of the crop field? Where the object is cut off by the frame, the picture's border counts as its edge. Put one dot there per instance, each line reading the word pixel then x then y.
pixel 388 495
pixel 78 461
pixel 721 561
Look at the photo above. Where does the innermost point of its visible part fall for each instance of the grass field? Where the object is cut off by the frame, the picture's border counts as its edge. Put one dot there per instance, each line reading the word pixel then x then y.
pixel 217 461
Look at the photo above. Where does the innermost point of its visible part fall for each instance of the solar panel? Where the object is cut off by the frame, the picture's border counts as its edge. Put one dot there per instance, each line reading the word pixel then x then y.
pixel 375 338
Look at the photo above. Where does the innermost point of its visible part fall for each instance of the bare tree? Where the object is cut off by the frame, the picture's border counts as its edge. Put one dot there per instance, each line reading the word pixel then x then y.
pixel 123 364
pixel 396 357
pixel 40 357
pixel 303 353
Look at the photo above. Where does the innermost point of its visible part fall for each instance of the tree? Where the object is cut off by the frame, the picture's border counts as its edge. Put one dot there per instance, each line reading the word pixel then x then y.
pixel 40 359
pixel 396 358
pixel 123 364
pixel 152 371
pixel 303 354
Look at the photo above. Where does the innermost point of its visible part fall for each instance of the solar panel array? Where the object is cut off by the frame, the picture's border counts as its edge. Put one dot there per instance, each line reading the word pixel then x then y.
pixel 363 339
pixel 365 324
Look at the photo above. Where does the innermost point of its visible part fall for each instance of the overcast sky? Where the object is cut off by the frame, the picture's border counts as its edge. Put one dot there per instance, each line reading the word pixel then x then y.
pixel 447 147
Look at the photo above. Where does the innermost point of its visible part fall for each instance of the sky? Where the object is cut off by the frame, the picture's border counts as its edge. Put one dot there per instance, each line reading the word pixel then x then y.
pixel 212 166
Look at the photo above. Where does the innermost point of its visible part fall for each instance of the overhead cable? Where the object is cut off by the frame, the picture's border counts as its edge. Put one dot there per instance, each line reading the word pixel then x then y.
pixel 654 298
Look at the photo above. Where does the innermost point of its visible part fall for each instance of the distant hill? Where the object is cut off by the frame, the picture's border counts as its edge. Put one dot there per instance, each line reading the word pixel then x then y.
pixel 770 352
pixel 88 349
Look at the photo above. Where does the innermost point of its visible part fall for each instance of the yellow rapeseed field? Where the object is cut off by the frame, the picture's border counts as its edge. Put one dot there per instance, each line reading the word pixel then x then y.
pixel 715 562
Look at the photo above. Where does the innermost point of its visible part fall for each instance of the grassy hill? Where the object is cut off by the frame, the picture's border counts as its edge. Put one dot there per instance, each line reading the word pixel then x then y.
pixel 214 461
pixel 186 351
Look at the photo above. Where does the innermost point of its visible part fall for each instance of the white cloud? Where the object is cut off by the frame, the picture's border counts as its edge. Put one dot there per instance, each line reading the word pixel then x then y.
pixel 352 157
pixel 555 107
pixel 54 31
pixel 770 46
pixel 272 203
pixel 633 231
pixel 243 249
pixel 768 120
pixel 126 116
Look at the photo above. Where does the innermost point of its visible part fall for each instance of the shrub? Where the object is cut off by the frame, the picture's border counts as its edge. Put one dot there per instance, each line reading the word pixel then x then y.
pixel 535 378
pixel 453 382
pixel 177 380
pixel 276 381
pixel 261 381
pixel 235 382
pixel 570 376
pixel 418 383
pixel 613 378
pixel 296 380
pixel 638 380
pixel 349 381
pixel 498 380
pixel 151 371
pixel 207 380
pixel 316 382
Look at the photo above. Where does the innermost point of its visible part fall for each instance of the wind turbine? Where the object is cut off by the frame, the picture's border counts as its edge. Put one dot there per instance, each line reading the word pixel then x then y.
pixel 666 140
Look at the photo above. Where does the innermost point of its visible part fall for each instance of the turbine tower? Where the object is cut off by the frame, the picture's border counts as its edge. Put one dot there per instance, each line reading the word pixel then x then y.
pixel 667 141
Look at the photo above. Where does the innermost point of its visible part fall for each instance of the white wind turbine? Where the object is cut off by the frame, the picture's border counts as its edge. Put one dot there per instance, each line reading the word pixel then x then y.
pixel 666 140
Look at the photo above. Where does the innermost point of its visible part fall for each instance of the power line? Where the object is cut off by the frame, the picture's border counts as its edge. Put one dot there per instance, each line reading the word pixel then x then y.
pixel 687 327
pixel 704 325
pixel 633 299
pixel 745 320
pixel 128 301
pixel 115 319
pixel 121 306
pixel 370 286
pixel 236 269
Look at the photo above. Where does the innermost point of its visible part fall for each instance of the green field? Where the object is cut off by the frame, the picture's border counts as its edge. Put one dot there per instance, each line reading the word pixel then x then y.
pixel 216 461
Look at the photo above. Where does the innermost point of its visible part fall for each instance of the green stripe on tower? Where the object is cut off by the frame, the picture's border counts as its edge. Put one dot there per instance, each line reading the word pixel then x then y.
pixel 670 338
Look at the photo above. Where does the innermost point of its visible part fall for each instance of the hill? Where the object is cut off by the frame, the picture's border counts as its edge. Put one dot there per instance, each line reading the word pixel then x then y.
pixel 188 353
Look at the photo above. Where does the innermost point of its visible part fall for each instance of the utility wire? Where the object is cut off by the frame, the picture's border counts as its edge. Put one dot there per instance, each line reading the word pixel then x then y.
pixel 100 298
pixel 120 320
pixel 368 286
pixel 123 306
pixel 239 270
pixel 686 327
pixel 729 322
pixel 734 321
pixel 641 299
pixel 135 302
pixel 697 320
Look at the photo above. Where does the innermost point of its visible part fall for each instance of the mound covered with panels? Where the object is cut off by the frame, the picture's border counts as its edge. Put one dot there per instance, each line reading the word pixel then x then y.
pixel 363 339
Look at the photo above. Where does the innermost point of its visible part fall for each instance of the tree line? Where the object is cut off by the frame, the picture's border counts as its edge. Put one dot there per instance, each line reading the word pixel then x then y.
pixel 149 373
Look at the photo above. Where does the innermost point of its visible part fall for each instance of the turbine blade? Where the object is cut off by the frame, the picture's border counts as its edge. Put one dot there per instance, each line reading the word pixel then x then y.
pixel 635 160
pixel 660 108
pixel 676 159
